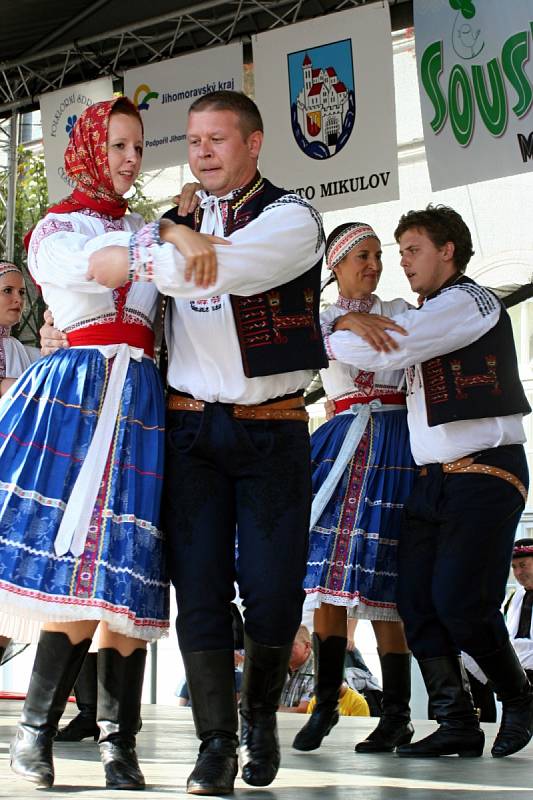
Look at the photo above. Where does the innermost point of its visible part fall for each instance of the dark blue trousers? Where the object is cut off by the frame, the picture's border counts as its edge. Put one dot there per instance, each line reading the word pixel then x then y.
pixel 226 478
pixel 455 554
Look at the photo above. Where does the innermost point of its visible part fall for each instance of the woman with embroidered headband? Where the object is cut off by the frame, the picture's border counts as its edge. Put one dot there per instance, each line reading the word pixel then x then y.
pixel 14 356
pixel 81 436
pixel 362 473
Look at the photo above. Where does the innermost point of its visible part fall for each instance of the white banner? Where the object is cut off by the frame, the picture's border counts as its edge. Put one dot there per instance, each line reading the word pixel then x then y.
pixel 326 92
pixel 476 93
pixel 59 112
pixel 164 91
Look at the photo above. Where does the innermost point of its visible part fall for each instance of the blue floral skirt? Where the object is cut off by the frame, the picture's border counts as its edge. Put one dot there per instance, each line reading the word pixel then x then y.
pixel 353 546
pixel 47 422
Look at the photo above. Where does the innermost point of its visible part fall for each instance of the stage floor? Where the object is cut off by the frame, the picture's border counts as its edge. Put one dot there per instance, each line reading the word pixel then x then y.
pixel 167 748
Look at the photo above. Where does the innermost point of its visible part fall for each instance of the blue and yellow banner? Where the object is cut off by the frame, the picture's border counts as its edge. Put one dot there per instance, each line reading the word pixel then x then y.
pixel 164 91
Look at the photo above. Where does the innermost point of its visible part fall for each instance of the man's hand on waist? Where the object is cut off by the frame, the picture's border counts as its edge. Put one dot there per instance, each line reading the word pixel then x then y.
pixel 52 339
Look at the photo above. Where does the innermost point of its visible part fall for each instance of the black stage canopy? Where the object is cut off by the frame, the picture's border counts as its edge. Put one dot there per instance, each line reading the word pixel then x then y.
pixel 48 44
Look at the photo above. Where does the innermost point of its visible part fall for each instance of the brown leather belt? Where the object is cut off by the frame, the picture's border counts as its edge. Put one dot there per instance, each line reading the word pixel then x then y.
pixel 467 464
pixel 290 409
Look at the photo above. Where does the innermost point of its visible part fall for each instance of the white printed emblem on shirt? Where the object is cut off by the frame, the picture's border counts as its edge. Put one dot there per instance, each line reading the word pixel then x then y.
pixel 211 304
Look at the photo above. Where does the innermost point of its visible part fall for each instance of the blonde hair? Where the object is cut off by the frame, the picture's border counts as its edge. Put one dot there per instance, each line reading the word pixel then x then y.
pixel 303 635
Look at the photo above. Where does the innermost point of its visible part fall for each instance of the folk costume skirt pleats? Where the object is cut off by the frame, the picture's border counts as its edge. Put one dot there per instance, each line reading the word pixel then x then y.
pixel 353 545
pixel 47 422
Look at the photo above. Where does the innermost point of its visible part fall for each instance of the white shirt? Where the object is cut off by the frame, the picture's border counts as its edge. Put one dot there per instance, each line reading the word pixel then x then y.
pixel 344 380
pixel 455 318
pixel 58 260
pixel 523 647
pixel 15 357
pixel 205 361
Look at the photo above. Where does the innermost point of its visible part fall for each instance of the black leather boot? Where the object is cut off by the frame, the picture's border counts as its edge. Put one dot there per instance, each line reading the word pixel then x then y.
pixel 514 690
pixel 265 673
pixel 329 671
pixel 211 682
pixel 120 683
pixel 449 693
pixel 83 726
pixel 55 669
pixel 394 728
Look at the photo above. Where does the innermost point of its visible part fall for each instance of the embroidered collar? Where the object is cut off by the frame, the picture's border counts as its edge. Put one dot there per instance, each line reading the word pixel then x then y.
pixel 245 193
pixel 5 331
pixel 236 196
pixel 223 212
pixel 363 304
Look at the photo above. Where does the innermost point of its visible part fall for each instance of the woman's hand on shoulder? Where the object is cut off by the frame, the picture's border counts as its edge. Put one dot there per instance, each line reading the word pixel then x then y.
pixel 187 200
pixel 372 328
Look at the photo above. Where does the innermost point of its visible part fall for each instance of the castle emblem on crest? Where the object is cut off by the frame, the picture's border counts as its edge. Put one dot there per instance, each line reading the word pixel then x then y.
pixel 322 95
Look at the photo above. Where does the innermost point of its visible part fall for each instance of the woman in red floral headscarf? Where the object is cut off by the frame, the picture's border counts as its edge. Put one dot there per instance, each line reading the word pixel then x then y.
pixel 81 460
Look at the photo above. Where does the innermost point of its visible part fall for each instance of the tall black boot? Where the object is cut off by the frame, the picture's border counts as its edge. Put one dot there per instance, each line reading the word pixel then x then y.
pixel 55 669
pixel 514 690
pixel 211 682
pixel 265 673
pixel 449 694
pixel 120 683
pixel 84 724
pixel 329 671
pixel 394 728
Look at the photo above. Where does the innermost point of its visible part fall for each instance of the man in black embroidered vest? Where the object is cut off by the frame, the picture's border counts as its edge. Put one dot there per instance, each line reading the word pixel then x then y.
pixel 237 473
pixel 465 406
pixel 518 608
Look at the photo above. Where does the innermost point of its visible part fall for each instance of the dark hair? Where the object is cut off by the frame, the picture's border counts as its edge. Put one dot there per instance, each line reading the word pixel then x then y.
pixel 333 235
pixel 123 105
pixel 249 115
pixel 442 224
pixel 336 231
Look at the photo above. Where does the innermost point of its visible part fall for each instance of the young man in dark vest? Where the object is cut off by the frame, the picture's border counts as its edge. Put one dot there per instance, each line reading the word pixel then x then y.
pixel 240 354
pixel 465 407
pixel 519 605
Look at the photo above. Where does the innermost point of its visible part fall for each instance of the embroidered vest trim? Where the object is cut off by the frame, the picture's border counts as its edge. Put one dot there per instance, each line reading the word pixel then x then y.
pixel 479 380
pixel 278 330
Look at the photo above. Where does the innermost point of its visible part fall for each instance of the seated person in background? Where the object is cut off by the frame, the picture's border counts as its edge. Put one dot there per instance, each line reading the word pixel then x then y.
pixel 517 612
pixel 298 687
pixel 518 607
pixel 297 696
pixel 14 359
pixel 351 703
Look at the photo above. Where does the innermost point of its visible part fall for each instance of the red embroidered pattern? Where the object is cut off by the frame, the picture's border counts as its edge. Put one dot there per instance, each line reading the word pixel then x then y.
pixel 463 382
pixel 282 321
pixel 360 304
pixel 256 311
pixel 86 161
pixel 346 526
pixel 435 382
pixel 48 226
pixel 364 383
